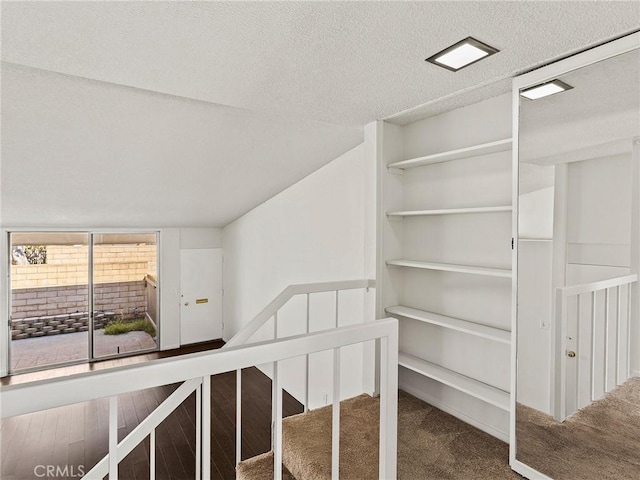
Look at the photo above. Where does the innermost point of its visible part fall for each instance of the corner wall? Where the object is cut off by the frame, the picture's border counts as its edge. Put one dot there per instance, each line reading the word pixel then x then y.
pixel 172 240
pixel 314 231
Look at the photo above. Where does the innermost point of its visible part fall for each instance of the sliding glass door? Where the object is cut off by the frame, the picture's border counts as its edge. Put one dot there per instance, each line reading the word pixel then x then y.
pixel 124 293
pixel 81 296
pixel 49 303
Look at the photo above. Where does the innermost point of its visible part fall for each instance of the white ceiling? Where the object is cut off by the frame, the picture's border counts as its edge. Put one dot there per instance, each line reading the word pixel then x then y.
pixel 603 108
pixel 80 153
pixel 307 74
pixel 342 62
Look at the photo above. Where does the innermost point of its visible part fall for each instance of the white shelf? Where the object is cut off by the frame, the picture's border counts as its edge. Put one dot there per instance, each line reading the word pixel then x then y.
pixel 460 325
pixel 447 267
pixel 468 385
pixel 449 211
pixel 467 152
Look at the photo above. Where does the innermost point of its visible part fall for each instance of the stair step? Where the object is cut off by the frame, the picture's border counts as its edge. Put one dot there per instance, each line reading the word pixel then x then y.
pixel 306 441
pixel 260 467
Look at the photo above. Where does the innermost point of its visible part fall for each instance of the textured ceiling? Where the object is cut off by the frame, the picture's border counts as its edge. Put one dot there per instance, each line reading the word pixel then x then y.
pixel 79 153
pixel 343 62
pixel 192 113
pixel 603 107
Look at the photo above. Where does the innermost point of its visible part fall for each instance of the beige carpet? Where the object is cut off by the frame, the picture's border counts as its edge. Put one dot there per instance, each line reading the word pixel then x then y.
pixel 431 444
pixel 601 441
pixel 260 468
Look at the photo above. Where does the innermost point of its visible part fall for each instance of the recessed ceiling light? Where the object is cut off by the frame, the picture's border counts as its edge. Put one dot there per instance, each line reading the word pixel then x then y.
pixel 545 89
pixel 462 54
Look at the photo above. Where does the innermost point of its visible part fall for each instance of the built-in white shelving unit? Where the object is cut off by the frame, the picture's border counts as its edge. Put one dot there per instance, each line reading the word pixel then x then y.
pixel 470 386
pixel 449 211
pixel 477 329
pixel 458 154
pixel 447 267
pixel 454 328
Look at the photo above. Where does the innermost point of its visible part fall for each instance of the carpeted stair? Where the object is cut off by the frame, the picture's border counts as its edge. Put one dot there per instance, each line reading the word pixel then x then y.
pixel 306 444
pixel 260 468
pixel 431 445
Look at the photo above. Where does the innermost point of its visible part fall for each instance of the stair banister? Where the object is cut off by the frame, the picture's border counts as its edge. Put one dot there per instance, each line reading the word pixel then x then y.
pixel 195 370
pixel 271 311
pixel 277 303
pixel 560 347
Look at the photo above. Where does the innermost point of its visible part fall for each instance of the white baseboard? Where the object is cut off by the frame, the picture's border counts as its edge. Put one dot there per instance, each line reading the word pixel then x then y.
pixel 500 435
pixel 635 373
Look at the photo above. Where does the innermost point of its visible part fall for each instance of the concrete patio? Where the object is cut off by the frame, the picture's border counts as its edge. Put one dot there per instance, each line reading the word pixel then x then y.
pixel 39 352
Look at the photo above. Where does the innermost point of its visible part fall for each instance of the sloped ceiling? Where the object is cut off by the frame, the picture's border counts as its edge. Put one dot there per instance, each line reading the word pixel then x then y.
pixel 80 153
pixel 234 101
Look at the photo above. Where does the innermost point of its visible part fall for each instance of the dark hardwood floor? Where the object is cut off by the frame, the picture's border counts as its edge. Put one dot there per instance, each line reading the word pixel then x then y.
pixel 76 436
pixel 105 364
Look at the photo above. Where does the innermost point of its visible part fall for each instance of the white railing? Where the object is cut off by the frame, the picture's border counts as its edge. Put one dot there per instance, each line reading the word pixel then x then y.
pixel 194 371
pixel 270 312
pixel 604 353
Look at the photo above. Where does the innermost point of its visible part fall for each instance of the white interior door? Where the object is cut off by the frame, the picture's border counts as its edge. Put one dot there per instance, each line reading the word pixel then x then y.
pixel 200 295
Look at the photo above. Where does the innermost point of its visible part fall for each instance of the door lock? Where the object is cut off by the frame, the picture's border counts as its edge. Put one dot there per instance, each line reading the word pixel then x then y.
pixel 571 353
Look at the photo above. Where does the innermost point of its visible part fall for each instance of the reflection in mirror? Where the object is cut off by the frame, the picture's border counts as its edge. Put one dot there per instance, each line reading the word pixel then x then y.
pixel 578 345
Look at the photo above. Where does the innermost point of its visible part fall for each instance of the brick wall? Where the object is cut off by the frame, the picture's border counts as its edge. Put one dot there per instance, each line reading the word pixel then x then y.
pixel 125 299
pixel 49 325
pixel 67 265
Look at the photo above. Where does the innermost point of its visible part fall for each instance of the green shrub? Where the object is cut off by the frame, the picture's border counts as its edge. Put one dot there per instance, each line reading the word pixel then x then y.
pixel 118 327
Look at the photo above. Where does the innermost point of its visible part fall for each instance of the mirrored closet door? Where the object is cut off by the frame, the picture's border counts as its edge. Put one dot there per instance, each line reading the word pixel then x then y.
pixel 576 410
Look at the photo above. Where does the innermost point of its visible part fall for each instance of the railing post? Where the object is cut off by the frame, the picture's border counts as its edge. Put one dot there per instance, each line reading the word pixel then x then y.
pixel 152 455
pixel 560 358
pixel 199 431
pixel 618 350
pixel 337 305
pixel 238 416
pixel 277 423
pixel 593 345
pixel 274 404
pixel 578 314
pixel 388 467
pixel 306 361
pixel 606 340
pixel 206 427
pixel 628 369
pixel 274 394
pixel 335 416
pixel 113 438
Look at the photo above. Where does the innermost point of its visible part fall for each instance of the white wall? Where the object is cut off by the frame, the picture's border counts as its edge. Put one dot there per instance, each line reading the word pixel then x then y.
pixel 598 233
pixel 599 212
pixel 535 313
pixel 172 240
pixel 315 231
